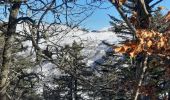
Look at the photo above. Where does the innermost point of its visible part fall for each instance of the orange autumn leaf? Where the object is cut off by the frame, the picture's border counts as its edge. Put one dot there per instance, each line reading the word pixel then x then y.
pixel 149 43
pixel 120 2
pixel 119 49
pixel 136 50
pixel 142 33
pixel 141 41
pixel 125 47
pixel 122 49
pixel 132 54
pixel 162 42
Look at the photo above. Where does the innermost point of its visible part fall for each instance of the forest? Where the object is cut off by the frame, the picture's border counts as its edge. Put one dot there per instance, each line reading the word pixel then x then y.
pixel 47 54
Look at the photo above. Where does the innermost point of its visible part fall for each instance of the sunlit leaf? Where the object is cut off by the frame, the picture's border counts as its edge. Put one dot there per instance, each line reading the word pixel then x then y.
pixel 149 43
pixel 119 49
pixel 119 2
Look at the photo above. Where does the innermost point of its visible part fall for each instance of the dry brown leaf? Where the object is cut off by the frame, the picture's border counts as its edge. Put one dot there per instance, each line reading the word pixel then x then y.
pixel 120 2
pixel 149 43
pixel 142 33
pixel 141 41
pixel 132 54
pixel 135 51
pixel 119 49
pixel 162 41
pixel 126 47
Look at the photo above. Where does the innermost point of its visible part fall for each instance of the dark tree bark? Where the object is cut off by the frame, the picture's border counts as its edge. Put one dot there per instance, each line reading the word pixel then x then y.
pixel 143 14
pixel 7 50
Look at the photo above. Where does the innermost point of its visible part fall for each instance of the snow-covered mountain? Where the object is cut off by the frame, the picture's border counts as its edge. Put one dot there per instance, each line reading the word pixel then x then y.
pixel 94 43
pixel 93 40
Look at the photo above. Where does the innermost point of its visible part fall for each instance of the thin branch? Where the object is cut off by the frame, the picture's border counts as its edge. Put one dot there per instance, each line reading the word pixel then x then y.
pixel 156 3
pixel 52 3
pixel 125 18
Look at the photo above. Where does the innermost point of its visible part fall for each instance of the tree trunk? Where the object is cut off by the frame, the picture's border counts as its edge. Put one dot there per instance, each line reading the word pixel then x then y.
pixel 145 66
pixel 143 14
pixel 7 50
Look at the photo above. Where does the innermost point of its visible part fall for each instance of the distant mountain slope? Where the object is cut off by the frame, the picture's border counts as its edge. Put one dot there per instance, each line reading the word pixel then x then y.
pixel 94 43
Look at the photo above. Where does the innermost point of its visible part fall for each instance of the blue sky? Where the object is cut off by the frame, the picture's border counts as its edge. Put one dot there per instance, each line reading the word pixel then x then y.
pixel 100 18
